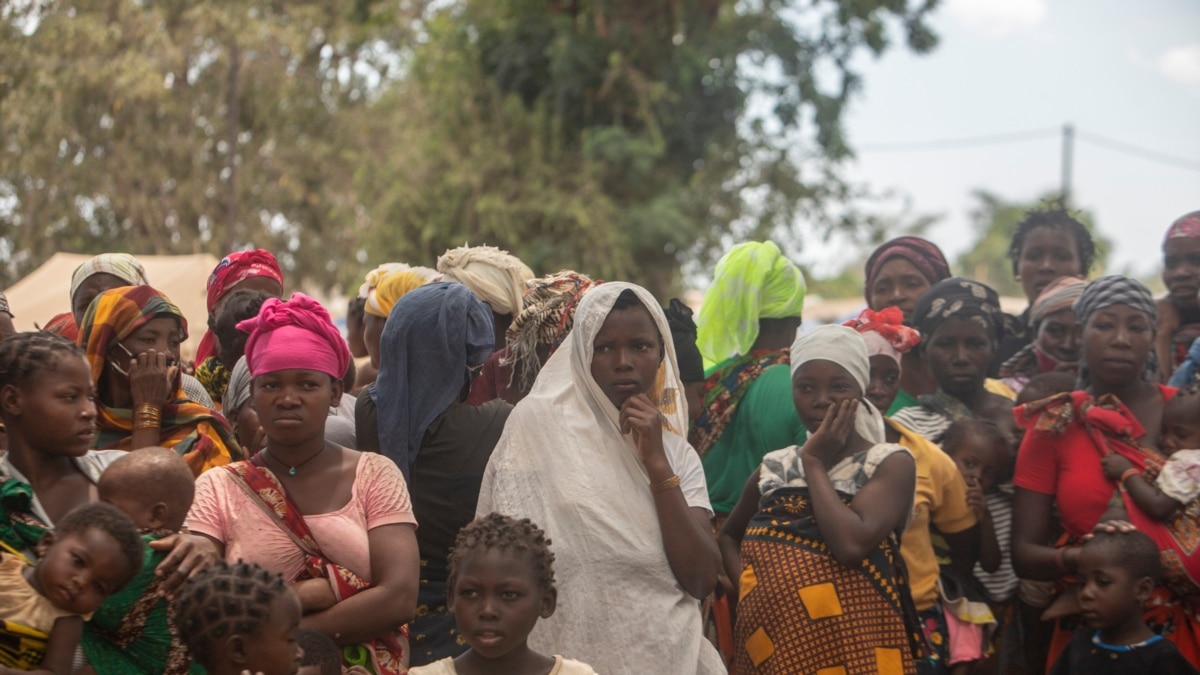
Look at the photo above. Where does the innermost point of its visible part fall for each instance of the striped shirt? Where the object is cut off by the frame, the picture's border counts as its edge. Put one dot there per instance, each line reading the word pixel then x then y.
pixel 1002 583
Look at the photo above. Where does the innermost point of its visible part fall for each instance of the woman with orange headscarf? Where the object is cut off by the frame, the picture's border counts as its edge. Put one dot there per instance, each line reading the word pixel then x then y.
pixel 128 334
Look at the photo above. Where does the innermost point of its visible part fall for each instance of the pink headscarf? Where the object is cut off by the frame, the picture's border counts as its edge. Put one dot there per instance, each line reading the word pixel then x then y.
pixel 884 332
pixel 297 333
pixel 1188 225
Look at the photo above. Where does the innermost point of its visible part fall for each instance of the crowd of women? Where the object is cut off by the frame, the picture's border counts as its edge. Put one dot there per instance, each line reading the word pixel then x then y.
pixel 914 491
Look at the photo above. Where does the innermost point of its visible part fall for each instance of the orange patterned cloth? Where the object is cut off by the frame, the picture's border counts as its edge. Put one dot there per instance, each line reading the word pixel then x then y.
pixel 801 611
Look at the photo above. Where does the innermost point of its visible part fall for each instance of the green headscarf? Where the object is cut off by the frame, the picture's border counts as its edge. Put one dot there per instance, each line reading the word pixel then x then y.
pixel 753 281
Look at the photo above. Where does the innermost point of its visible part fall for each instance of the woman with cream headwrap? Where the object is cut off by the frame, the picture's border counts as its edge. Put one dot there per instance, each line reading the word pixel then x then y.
pixel 496 277
pixel 749 318
pixel 825 519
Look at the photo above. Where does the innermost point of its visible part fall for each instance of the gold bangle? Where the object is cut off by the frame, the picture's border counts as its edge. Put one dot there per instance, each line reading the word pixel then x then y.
pixel 672 482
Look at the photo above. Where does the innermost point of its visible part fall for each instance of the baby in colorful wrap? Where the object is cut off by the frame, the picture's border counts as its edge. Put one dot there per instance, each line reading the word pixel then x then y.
pixel 92 554
pixel 130 633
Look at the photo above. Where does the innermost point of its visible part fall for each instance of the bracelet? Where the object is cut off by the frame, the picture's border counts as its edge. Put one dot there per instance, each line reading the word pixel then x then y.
pixel 147 416
pixel 1126 475
pixel 672 482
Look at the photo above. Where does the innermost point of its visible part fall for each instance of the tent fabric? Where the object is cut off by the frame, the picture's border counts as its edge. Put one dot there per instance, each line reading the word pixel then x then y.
pixel 45 291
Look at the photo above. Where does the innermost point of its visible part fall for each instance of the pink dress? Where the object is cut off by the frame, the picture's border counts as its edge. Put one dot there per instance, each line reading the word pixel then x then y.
pixel 223 511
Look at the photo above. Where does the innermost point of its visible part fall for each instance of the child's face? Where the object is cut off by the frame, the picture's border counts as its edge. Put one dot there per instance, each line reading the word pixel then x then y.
pixel 497 601
pixel 79 570
pixel 273 649
pixel 885 382
pixel 627 352
pixel 981 461
pixel 1108 595
pixel 1180 429
pixel 817 387
pixel 59 408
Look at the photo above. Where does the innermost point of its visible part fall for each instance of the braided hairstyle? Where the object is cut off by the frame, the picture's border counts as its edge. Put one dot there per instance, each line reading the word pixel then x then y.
pixel 24 355
pixel 1056 216
pixel 495 531
pixel 224 600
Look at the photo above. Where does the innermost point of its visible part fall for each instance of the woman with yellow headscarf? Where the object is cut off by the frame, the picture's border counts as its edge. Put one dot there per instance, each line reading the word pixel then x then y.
pixel 748 321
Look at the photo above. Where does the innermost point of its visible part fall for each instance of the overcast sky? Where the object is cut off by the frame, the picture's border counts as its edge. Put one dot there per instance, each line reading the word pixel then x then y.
pixel 1126 71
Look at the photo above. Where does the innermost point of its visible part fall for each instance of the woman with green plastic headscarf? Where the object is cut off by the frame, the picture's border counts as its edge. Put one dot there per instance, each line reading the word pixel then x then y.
pixel 747 323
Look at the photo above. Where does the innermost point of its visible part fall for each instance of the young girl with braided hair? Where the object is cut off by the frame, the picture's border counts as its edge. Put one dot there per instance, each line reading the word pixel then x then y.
pixel 47 401
pixel 240 618
pixel 501 582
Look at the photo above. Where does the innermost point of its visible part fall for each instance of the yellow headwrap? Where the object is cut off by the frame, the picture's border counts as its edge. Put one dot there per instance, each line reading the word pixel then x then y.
pixel 391 288
pixel 753 281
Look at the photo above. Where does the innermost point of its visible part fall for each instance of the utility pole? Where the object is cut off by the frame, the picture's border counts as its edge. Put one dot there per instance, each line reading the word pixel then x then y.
pixel 1068 154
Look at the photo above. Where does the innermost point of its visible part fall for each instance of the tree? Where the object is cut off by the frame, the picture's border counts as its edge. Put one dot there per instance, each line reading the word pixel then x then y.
pixel 995 221
pixel 621 138
pixel 618 137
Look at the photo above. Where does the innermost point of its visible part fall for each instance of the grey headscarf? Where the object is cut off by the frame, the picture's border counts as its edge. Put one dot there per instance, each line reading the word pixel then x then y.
pixel 1116 289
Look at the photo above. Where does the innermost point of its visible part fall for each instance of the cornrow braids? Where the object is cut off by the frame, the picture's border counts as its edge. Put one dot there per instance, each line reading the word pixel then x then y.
pixel 1055 215
pixel 25 354
pixel 111 521
pixel 224 600
pixel 495 531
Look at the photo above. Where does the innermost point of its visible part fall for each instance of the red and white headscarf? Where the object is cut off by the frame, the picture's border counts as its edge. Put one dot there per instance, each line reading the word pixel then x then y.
pixel 884 332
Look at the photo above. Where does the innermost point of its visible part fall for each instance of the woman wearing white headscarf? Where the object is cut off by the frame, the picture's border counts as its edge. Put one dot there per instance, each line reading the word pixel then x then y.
pixel 815 538
pixel 594 454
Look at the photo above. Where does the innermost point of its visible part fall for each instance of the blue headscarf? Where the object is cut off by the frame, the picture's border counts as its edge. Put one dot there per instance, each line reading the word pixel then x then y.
pixel 433 337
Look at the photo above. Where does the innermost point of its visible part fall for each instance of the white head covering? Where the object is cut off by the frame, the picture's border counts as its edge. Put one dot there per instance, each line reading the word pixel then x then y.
pixel 496 277
pixel 843 346
pixel 564 463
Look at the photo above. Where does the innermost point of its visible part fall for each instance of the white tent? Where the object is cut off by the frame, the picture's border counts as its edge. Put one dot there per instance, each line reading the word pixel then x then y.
pixel 44 292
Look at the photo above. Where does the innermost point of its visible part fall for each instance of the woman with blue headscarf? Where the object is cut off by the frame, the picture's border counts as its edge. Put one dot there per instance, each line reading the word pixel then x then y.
pixel 435 338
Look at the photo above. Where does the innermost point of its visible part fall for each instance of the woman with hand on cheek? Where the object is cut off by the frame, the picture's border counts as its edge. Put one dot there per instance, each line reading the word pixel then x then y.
pixel 595 454
pixel 815 539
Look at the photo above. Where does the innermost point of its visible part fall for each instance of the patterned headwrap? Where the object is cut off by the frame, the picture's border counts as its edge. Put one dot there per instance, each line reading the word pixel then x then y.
pixel 962 299
pixel 121 265
pixel 753 281
pixel 1059 295
pixel 1116 289
pixel 433 338
pixel 1187 225
pixel 4 305
pixel 683 334
pixel 844 346
pixel 232 270
pixel 884 332
pixel 924 255
pixel 297 333
pixel 201 436
pixel 64 325
pixel 392 286
pixel 546 319
pixel 494 276
pixel 238 391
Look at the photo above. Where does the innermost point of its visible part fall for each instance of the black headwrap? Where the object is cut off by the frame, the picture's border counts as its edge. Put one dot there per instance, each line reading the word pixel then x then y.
pixel 958 298
pixel 683 334
pixel 1116 289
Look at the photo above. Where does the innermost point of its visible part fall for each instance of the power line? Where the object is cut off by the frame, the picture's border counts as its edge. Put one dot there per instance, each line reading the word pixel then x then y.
pixel 1141 153
pixel 1031 135
pixel 952 143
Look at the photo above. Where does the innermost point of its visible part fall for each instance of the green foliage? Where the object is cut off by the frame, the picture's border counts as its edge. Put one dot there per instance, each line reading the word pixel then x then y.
pixel 995 220
pixel 620 137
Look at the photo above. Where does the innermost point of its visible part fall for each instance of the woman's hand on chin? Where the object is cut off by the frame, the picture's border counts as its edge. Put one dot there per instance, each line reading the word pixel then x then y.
pixel 828 441
pixel 189 554
pixel 641 418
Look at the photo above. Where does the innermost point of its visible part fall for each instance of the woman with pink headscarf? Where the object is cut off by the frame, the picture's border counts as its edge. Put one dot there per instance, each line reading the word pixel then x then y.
pixel 336 523
pixel 255 270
